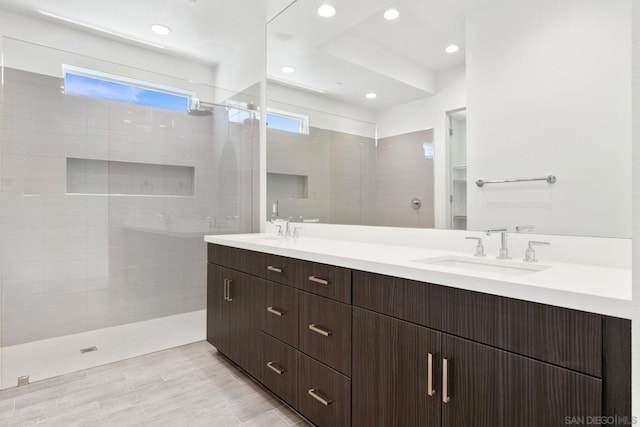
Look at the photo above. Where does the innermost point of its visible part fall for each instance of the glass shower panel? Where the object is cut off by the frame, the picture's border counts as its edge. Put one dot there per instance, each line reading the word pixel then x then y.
pixel 103 209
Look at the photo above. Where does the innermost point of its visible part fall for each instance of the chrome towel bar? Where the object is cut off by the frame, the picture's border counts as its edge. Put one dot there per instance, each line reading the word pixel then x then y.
pixel 550 179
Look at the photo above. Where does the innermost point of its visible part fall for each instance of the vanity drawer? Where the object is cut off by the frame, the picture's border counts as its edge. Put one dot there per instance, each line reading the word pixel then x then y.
pixel 277 268
pixel 324 395
pixel 325 331
pixel 405 299
pixel 234 258
pixel 280 312
pixel 326 280
pixel 280 369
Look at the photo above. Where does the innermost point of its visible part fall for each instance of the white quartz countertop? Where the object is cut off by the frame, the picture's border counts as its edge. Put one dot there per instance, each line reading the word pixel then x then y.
pixel 595 289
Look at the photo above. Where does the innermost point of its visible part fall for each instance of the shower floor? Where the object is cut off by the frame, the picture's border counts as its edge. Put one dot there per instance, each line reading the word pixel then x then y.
pixel 56 356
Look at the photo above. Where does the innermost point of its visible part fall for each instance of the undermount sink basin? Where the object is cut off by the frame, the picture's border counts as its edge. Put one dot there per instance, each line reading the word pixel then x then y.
pixel 483 265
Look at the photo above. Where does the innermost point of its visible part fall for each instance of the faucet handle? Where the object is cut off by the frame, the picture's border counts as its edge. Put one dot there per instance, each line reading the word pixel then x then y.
pixel 279 229
pixel 296 233
pixel 523 228
pixel 530 253
pixel 479 246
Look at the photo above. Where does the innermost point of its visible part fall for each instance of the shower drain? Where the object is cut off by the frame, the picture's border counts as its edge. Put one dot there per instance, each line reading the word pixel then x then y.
pixel 88 349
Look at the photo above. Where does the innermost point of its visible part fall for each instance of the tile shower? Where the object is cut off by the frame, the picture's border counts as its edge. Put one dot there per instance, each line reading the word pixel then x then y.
pixel 103 206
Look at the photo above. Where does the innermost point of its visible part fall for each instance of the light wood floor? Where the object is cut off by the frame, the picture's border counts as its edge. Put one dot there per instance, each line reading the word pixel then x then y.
pixel 186 386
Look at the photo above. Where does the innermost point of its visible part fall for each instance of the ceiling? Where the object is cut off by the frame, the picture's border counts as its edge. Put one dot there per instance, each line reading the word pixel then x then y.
pixel 206 30
pixel 344 57
pixel 357 51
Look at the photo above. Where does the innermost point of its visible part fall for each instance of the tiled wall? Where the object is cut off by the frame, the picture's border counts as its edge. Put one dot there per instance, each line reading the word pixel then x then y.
pixel 72 263
pixel 352 181
pixel 338 168
pixel 404 170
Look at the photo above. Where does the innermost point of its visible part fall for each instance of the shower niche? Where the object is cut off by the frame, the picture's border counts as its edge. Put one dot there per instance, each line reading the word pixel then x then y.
pixel 90 176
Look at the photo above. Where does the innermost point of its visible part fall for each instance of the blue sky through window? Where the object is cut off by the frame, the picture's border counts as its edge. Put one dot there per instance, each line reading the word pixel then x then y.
pixel 288 124
pixel 96 88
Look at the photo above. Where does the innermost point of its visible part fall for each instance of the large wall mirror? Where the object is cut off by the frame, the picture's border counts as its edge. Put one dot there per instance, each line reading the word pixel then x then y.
pixel 412 113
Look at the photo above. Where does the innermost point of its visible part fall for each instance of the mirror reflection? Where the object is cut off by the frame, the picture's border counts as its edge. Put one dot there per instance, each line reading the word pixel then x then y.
pixel 452 114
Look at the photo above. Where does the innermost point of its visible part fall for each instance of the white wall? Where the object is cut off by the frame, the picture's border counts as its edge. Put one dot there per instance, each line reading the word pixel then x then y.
pixel 548 86
pixel 323 112
pixel 82 46
pixel 635 392
pixel 245 68
pixel 430 113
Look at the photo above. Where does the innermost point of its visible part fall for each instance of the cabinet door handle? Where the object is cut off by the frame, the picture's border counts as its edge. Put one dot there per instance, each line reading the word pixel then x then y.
pixel 275 368
pixel 318 280
pixel 275 311
pixel 445 381
pixel 229 281
pixel 274 269
pixel 224 288
pixel 319 396
pixel 320 330
pixel 430 390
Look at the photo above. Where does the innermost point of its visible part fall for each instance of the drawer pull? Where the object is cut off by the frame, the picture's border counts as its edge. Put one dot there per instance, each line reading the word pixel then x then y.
pixel 319 397
pixel 275 311
pixel 445 381
pixel 430 390
pixel 229 281
pixel 318 280
pixel 227 290
pixel 275 368
pixel 274 269
pixel 320 330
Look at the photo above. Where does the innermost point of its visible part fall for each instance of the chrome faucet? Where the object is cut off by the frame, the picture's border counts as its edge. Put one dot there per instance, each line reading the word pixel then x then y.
pixel 530 253
pixel 504 250
pixel 278 222
pixel 479 246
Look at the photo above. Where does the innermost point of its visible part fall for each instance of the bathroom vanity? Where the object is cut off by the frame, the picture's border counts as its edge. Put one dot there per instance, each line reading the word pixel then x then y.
pixel 378 335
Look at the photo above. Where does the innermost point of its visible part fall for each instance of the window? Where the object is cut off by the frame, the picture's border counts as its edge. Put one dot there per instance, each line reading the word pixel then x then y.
pixel 79 81
pixel 288 122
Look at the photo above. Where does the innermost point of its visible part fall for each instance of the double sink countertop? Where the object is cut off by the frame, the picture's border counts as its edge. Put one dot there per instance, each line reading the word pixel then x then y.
pixel 594 289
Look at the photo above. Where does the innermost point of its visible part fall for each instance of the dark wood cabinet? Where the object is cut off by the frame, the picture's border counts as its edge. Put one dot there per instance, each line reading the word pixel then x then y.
pixel 325 331
pixel 280 312
pixel 494 388
pixel 325 280
pixel 396 376
pixel 408 353
pixel 218 309
pixel 324 395
pixel 568 338
pixel 233 326
pixel 280 369
pixel 480 386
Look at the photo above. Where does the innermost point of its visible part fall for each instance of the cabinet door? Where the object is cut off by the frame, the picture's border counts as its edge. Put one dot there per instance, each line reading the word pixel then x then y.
pixel 390 374
pixel 246 295
pixel 493 388
pixel 218 310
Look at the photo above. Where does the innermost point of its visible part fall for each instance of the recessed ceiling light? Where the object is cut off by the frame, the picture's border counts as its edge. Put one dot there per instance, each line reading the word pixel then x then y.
pixel 287 69
pixel 160 29
pixel 452 48
pixel 391 14
pixel 371 95
pixel 326 11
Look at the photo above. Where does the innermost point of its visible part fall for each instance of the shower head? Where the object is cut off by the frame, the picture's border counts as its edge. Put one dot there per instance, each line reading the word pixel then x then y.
pixel 197 109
